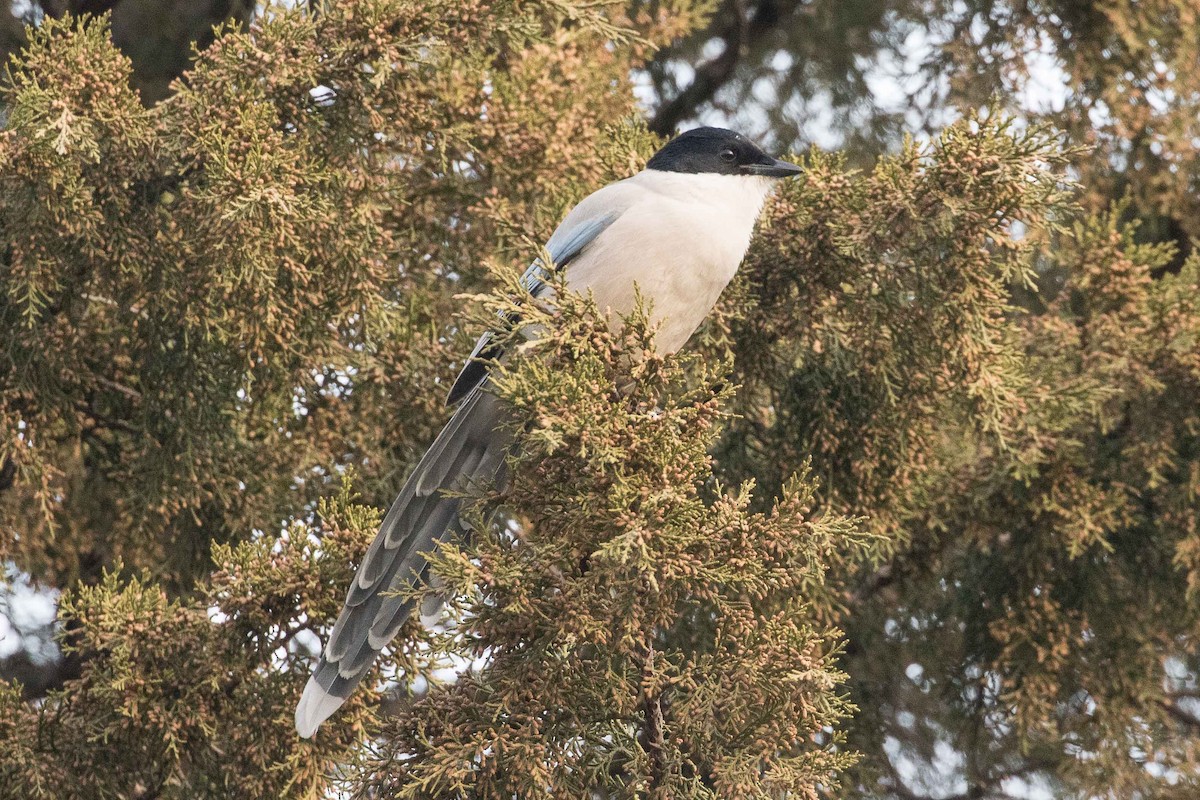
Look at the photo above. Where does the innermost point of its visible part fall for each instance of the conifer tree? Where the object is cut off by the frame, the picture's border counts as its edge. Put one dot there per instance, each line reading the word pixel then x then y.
pixel 639 633
pixel 196 319
pixel 915 516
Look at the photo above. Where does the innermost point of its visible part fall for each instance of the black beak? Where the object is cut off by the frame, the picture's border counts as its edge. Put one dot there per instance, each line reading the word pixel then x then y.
pixel 773 168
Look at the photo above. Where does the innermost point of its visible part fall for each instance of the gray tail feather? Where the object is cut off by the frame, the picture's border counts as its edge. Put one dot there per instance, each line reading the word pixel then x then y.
pixel 469 450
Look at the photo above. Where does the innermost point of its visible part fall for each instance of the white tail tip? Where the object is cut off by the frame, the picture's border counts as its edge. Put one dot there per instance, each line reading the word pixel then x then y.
pixel 316 705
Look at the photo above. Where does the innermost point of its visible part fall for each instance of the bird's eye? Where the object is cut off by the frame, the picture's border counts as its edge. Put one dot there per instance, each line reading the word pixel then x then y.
pixel 728 156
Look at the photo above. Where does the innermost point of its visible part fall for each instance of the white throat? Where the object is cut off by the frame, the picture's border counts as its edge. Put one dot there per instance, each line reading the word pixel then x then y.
pixel 680 241
pixel 741 196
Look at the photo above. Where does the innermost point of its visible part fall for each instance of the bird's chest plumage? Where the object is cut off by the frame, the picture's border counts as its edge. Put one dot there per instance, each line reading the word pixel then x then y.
pixel 679 246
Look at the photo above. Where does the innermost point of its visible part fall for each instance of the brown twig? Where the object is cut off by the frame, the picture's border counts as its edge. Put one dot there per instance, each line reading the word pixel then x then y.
pixel 742 29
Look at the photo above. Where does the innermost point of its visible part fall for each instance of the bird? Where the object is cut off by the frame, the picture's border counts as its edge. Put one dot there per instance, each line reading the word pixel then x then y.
pixel 675 232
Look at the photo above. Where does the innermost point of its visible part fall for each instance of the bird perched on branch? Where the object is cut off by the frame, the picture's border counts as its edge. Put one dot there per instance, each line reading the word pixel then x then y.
pixel 676 232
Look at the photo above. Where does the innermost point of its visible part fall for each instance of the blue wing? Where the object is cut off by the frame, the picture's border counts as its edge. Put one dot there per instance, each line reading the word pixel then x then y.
pixel 563 246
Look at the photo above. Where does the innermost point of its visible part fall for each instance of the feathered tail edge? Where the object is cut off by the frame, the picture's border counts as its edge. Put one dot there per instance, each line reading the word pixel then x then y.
pixel 469 450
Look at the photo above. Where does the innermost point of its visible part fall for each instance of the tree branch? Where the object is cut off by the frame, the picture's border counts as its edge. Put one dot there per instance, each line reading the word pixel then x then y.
pixel 653 732
pixel 742 30
pixel 1178 714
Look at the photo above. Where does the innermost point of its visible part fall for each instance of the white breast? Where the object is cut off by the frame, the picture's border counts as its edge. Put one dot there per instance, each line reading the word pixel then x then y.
pixel 680 240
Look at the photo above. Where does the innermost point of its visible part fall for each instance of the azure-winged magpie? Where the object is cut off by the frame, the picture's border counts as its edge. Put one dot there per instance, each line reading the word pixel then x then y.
pixel 677 231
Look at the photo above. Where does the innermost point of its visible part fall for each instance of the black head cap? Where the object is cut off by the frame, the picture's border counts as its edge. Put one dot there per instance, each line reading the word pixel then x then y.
pixel 719 152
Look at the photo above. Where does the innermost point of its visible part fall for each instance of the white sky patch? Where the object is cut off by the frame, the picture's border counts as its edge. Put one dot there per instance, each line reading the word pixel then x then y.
pixel 26 611
pixel 1045 91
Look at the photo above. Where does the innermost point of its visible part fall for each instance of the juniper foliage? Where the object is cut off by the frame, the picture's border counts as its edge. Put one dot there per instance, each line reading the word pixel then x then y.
pixel 927 484
pixel 639 630
pixel 215 305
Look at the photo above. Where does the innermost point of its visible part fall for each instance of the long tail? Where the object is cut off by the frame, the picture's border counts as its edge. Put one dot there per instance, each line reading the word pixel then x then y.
pixel 469 449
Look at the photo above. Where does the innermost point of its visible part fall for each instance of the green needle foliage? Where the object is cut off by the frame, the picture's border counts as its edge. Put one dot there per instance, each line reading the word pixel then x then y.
pixel 210 305
pixel 637 637
pixel 193 698
pixel 927 482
